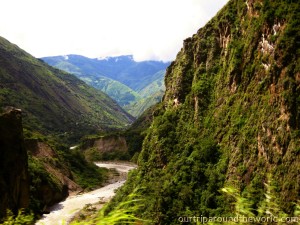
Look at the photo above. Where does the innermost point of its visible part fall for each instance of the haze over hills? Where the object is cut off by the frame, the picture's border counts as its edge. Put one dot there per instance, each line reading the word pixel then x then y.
pixel 51 99
pixel 123 79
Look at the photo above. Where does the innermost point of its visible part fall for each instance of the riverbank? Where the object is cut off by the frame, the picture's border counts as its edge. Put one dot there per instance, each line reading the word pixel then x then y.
pixel 66 210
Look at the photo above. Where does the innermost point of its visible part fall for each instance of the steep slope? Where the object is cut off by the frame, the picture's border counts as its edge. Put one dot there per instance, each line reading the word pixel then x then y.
pixel 150 95
pixel 230 116
pixel 136 109
pixel 121 93
pixel 52 100
pixel 155 86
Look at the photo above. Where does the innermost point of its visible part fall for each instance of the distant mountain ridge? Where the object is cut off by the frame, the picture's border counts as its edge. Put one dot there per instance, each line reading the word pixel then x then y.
pixel 53 100
pixel 121 77
pixel 124 69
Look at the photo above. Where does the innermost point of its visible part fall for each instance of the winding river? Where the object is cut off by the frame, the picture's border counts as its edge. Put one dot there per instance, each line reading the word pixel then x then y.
pixel 65 210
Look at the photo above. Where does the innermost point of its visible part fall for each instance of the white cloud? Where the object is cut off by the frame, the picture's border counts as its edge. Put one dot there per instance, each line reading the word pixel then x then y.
pixel 148 29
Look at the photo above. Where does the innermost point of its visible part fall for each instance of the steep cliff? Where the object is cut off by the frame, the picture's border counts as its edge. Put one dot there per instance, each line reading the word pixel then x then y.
pixel 230 116
pixel 14 180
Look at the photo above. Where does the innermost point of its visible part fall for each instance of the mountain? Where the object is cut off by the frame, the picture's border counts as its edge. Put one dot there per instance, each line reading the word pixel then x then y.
pixel 54 101
pixel 121 93
pixel 136 109
pixel 155 86
pixel 230 117
pixel 120 77
pixel 150 95
pixel 124 69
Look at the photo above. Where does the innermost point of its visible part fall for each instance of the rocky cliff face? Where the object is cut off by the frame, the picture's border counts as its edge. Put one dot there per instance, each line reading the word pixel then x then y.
pixel 107 144
pixel 106 148
pixel 230 115
pixel 14 181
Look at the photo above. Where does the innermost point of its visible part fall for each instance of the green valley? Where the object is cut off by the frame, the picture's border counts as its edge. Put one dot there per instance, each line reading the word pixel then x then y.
pixel 133 85
pixel 43 111
pixel 217 134
pixel 53 100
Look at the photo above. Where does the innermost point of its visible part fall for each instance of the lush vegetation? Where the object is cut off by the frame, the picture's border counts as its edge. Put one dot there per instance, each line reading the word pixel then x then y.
pixel 229 117
pixel 54 102
pixel 22 218
pixel 85 173
pixel 124 69
pixel 246 212
pixel 52 162
pixel 133 136
pixel 121 93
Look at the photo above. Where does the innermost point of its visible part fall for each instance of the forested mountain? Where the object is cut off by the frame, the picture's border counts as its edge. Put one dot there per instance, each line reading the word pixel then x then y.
pixel 230 116
pixel 121 77
pixel 54 101
pixel 56 109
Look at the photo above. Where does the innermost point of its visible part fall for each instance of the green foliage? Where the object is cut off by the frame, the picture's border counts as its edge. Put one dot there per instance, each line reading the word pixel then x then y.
pixel 138 108
pixel 121 93
pixel 38 178
pixel 134 85
pixel 86 174
pixel 54 102
pixel 237 118
pixel 21 218
pixel 268 211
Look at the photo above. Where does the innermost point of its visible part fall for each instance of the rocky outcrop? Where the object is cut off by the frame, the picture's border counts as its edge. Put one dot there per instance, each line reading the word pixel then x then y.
pixel 109 143
pixel 14 182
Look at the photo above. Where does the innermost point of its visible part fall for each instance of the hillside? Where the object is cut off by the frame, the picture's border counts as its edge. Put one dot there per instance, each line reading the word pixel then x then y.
pixel 124 69
pixel 122 78
pixel 230 116
pixel 121 93
pixel 150 95
pixel 54 101
pixel 136 109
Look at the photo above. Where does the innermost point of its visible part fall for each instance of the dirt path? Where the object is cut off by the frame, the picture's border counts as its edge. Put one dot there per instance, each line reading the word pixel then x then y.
pixel 65 210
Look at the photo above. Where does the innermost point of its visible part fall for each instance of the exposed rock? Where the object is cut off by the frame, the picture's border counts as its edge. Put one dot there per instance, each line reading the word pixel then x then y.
pixel 14 181
pixel 107 144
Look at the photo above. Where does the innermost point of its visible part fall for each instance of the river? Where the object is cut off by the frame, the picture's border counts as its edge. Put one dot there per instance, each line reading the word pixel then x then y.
pixel 65 210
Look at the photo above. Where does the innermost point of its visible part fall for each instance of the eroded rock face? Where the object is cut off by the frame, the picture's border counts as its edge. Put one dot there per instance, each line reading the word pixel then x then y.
pixel 107 144
pixel 14 182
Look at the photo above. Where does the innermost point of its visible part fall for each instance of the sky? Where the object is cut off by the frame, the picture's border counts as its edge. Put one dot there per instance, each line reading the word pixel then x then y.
pixel 146 29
